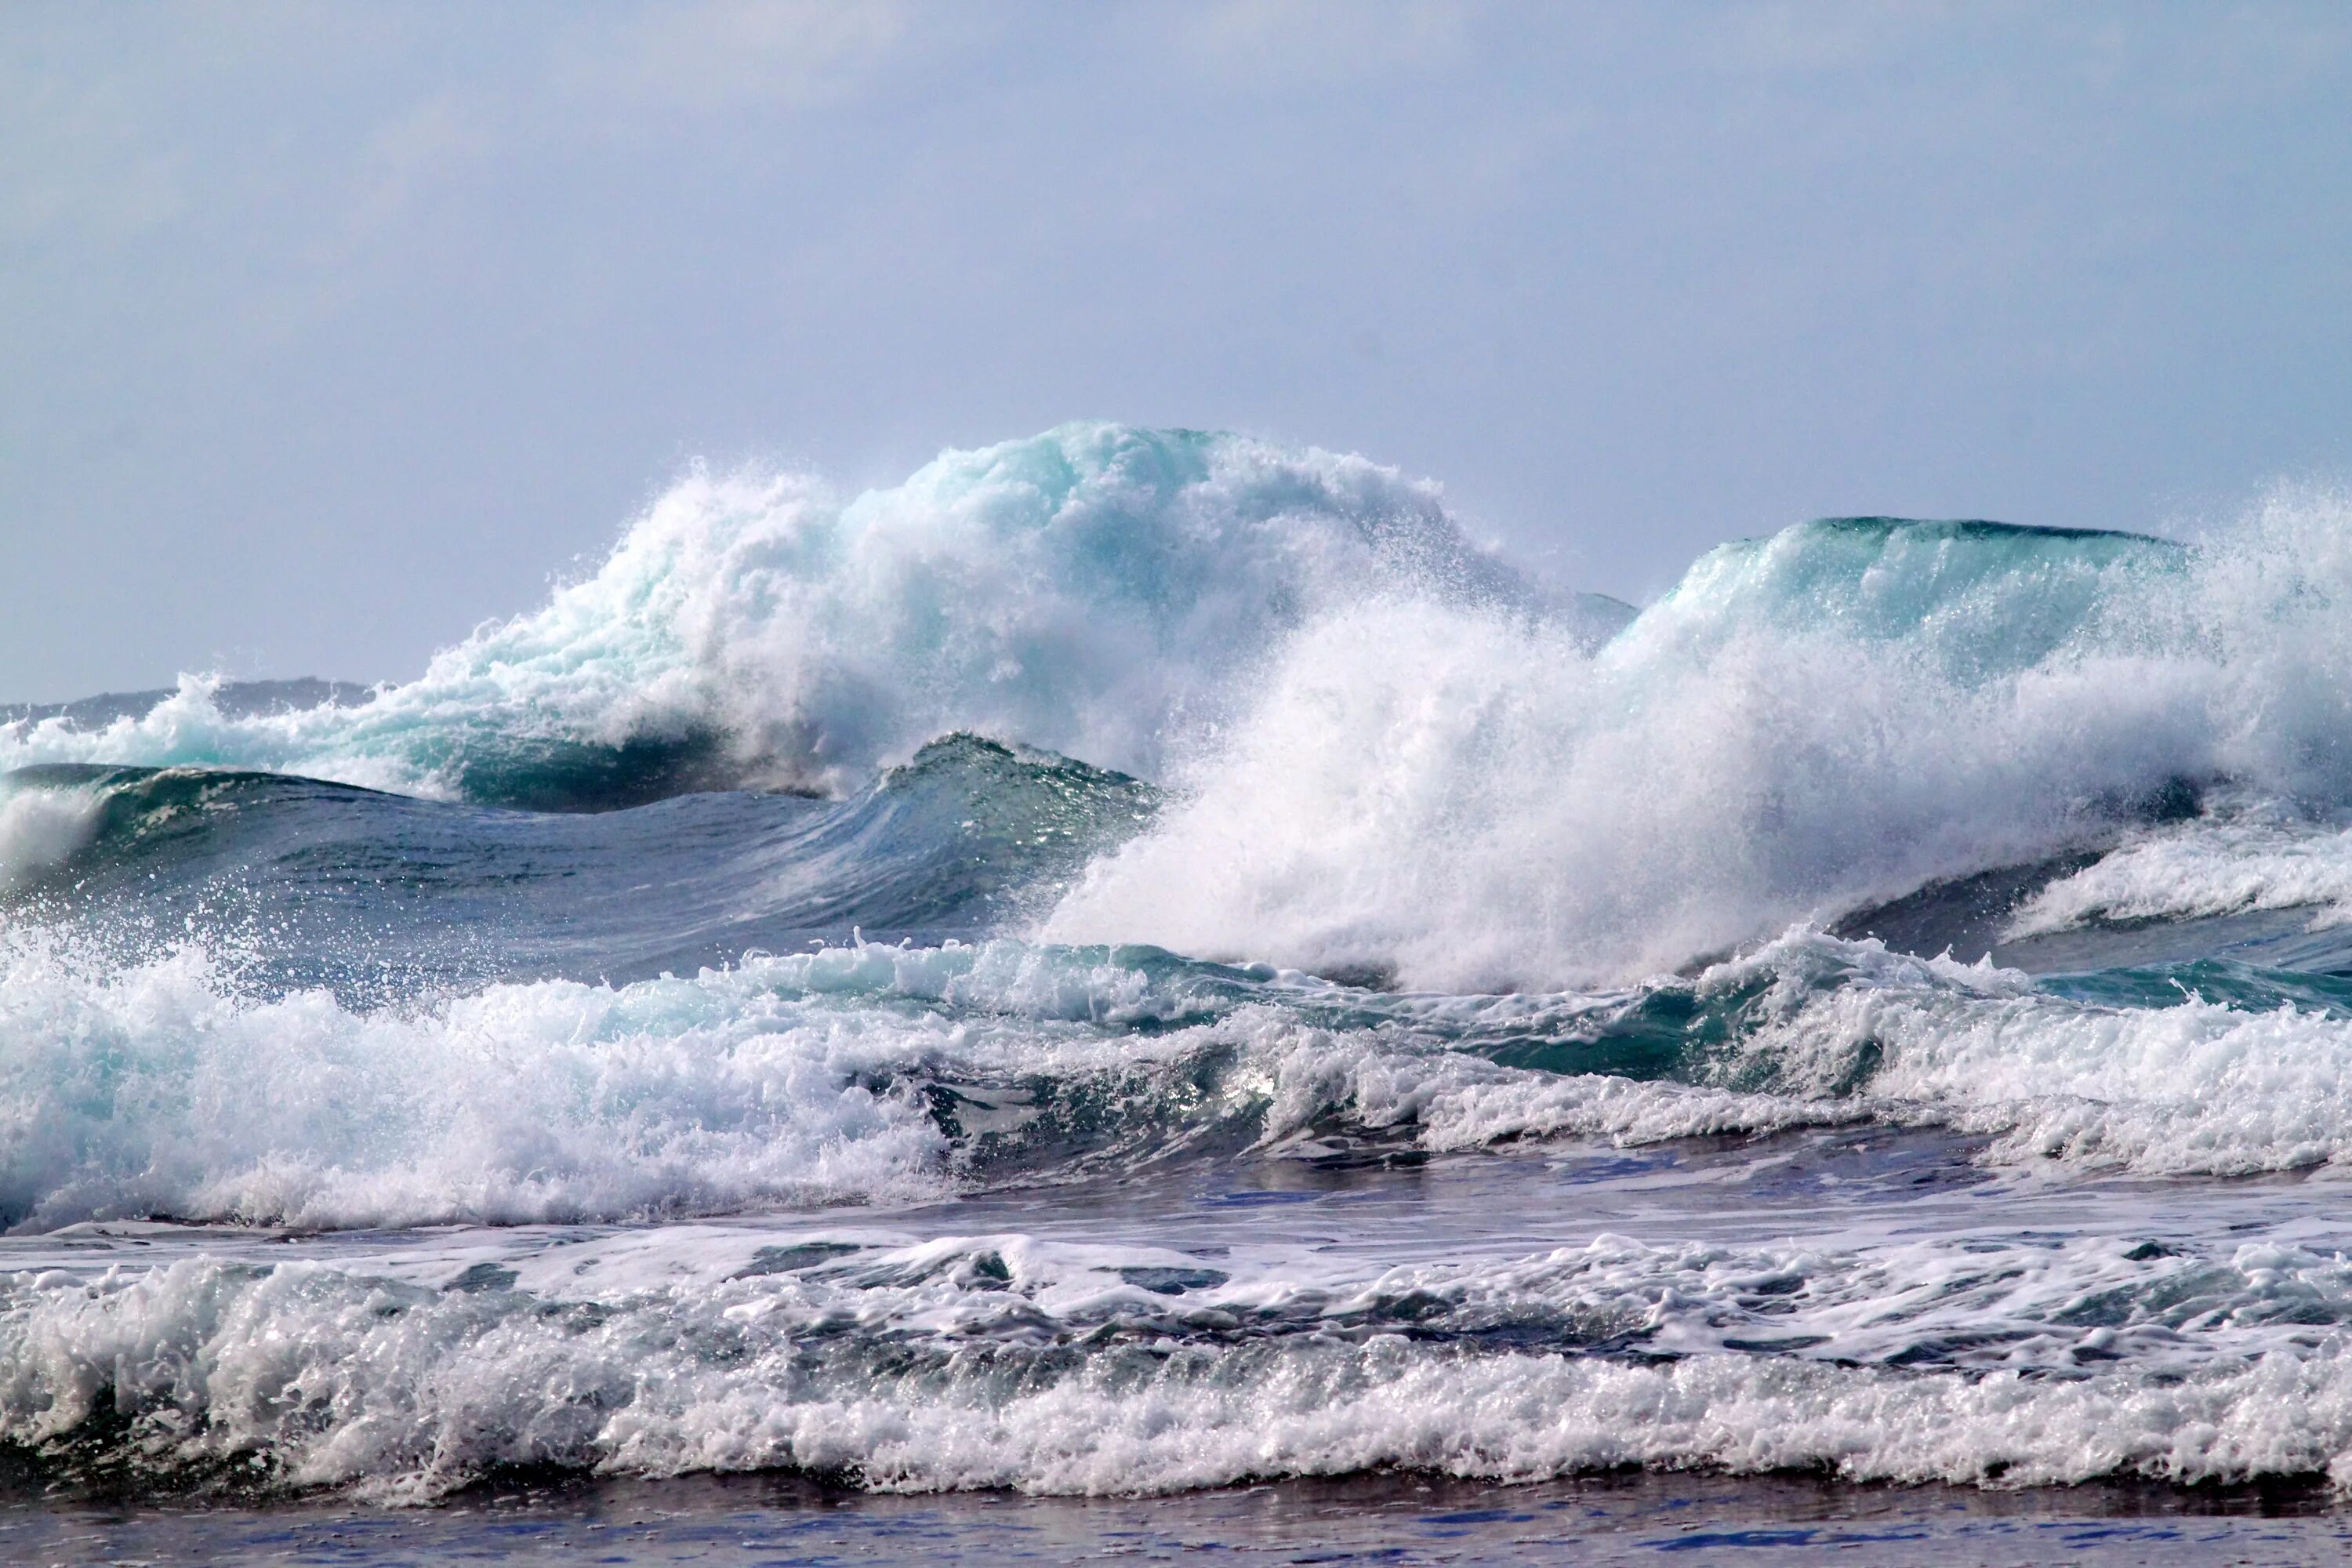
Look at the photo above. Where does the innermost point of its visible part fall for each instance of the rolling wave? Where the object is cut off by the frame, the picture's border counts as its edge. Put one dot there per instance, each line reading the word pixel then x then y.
pixel 1808 726
pixel 297 881
pixel 168 1088
pixel 1184 827
pixel 1097 590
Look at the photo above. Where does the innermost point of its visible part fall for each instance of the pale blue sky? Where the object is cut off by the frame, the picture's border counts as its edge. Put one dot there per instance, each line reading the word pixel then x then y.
pixel 330 330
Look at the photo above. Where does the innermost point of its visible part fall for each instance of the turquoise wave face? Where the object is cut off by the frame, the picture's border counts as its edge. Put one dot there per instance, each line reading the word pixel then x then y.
pixel 300 882
pixel 1976 601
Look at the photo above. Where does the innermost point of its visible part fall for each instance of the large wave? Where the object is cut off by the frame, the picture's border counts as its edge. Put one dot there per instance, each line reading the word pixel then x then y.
pixel 1806 725
pixel 1388 751
pixel 1898 884
pixel 1093 589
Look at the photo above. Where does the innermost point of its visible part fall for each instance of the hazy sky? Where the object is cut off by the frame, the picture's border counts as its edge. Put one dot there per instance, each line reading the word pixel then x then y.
pixel 327 330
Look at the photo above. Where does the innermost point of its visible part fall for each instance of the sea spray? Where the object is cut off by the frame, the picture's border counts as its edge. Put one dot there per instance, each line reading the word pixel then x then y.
pixel 1413 1020
pixel 1807 726
pixel 1096 590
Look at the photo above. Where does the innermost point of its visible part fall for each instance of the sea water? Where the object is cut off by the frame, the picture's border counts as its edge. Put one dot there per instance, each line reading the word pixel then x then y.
pixel 1141 963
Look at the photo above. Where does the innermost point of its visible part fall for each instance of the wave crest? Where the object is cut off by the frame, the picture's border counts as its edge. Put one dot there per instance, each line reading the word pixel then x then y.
pixel 1093 590
pixel 1808 725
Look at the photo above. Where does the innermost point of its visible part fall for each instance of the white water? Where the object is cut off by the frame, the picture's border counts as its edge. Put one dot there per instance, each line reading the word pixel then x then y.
pixel 1094 590
pixel 159 1088
pixel 1810 724
pixel 408 1372
pixel 42 828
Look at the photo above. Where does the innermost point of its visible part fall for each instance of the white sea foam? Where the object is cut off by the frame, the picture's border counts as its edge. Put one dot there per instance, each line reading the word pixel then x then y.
pixel 41 827
pixel 1829 718
pixel 941 1370
pixel 2229 862
pixel 1087 590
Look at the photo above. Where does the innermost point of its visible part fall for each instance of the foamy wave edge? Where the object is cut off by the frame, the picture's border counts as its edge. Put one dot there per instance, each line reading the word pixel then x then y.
pixel 303 1376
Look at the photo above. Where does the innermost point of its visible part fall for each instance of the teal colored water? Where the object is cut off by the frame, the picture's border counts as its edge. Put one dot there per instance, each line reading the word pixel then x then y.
pixel 1143 962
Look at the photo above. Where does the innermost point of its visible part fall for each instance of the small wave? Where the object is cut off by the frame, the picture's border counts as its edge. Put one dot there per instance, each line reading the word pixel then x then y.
pixel 1004 1361
pixel 42 827
pixel 2175 1085
pixel 2226 863
pixel 163 1088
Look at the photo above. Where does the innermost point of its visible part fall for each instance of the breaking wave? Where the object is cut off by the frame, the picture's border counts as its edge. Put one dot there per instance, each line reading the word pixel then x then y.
pixel 1129 814
pixel 1097 590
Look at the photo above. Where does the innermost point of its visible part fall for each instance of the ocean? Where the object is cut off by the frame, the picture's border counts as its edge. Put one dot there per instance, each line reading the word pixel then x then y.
pixel 1145 988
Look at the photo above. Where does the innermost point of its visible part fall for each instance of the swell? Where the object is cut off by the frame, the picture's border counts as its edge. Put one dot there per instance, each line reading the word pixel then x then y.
pixel 294 883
